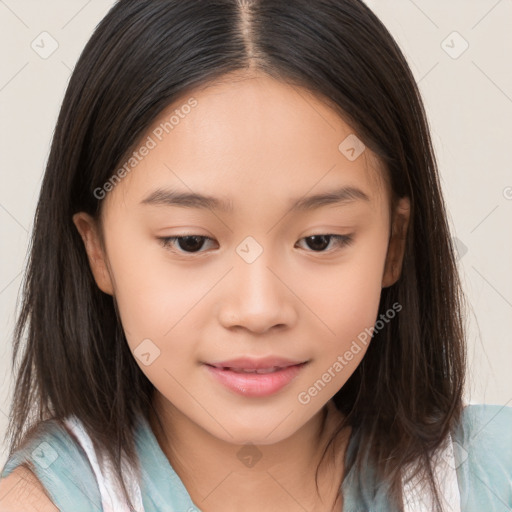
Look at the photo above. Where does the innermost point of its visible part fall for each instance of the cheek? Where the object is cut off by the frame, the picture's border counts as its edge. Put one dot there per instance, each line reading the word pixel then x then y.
pixel 152 294
pixel 346 296
pixel 157 306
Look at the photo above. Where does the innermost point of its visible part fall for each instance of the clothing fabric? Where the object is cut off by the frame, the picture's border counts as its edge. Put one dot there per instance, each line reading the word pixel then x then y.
pixel 474 471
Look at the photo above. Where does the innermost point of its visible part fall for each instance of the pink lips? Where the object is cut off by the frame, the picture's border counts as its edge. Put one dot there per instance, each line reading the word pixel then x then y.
pixel 255 377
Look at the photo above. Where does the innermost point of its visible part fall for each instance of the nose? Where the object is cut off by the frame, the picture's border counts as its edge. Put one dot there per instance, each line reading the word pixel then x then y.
pixel 257 298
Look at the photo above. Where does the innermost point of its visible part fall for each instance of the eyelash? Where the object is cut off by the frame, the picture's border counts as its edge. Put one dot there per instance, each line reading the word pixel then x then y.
pixel 167 242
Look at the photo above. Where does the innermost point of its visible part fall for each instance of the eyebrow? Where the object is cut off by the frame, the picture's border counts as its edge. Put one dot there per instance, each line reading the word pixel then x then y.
pixel 169 197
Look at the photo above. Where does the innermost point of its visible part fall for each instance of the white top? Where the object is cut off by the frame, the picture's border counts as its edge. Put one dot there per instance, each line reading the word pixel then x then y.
pixel 112 499
pixel 417 499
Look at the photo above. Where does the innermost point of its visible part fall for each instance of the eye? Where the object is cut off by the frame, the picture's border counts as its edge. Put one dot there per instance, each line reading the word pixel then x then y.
pixel 318 242
pixel 187 243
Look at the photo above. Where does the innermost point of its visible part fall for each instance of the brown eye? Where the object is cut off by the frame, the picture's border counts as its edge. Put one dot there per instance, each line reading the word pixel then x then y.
pixel 186 244
pixel 318 243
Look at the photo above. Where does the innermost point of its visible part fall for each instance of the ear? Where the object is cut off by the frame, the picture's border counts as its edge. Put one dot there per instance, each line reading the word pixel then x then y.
pixel 396 246
pixel 88 230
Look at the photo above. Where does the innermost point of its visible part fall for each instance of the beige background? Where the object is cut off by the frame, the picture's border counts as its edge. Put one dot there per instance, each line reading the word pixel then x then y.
pixel 468 97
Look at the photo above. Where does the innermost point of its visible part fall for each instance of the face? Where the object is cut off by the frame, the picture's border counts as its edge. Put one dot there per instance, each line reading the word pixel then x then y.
pixel 257 277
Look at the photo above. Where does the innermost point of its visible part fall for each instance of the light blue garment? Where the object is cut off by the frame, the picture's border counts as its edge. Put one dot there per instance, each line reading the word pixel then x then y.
pixel 483 458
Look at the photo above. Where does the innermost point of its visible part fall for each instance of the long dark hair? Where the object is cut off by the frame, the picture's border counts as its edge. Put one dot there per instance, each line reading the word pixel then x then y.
pixel 406 394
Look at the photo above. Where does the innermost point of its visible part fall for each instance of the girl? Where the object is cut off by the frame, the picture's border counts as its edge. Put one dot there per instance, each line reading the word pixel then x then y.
pixel 242 293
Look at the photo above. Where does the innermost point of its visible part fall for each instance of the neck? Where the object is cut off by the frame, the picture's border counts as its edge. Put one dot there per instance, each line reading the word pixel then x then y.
pixel 219 475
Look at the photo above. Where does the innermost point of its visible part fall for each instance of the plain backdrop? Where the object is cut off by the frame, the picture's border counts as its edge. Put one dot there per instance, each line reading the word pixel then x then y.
pixel 459 52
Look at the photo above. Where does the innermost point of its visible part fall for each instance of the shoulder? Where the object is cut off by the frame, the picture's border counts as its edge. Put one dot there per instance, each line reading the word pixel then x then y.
pixel 482 445
pixel 486 427
pixel 51 464
pixel 21 491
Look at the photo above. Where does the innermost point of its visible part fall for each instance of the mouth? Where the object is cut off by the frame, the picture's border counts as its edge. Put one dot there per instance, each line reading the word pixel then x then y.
pixel 255 382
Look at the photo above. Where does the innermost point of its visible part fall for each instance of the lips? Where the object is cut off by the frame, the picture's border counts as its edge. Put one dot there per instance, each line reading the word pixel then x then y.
pixel 252 365
pixel 255 377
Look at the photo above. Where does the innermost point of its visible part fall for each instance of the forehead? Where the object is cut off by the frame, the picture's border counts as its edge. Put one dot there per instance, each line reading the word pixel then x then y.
pixel 249 138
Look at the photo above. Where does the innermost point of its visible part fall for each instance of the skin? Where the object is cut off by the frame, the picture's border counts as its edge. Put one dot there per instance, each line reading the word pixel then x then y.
pixel 260 143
